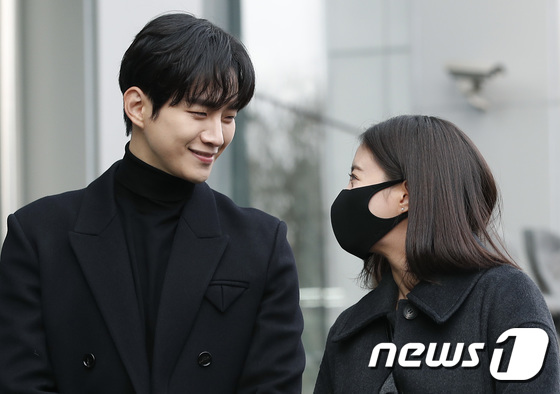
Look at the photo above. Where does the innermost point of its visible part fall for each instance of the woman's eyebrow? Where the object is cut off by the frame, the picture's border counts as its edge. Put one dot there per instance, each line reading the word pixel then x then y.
pixel 355 167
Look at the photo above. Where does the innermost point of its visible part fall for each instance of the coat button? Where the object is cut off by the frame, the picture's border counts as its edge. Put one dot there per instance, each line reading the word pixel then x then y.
pixel 88 360
pixel 204 359
pixel 409 312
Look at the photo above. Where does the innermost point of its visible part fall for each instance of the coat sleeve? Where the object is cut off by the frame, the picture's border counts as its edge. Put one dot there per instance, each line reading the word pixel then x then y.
pixel 518 303
pixel 276 359
pixel 24 361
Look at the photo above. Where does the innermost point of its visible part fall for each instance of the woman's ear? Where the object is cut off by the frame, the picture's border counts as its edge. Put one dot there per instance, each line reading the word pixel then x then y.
pixel 136 105
pixel 403 195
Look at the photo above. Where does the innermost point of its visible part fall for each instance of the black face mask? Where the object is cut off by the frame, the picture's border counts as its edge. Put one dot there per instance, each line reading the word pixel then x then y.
pixel 355 227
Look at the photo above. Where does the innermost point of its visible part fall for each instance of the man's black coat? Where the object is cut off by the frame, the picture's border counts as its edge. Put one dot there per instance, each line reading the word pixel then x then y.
pixel 229 319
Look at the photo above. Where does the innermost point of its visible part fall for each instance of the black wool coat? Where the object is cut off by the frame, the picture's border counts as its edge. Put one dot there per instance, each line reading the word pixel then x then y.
pixel 469 308
pixel 229 319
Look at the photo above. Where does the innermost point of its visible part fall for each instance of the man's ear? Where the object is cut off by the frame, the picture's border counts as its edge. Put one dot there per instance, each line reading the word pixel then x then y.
pixel 137 106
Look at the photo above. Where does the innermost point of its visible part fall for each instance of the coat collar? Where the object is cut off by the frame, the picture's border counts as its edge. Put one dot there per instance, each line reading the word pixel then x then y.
pixel 439 300
pixel 99 208
pixel 100 245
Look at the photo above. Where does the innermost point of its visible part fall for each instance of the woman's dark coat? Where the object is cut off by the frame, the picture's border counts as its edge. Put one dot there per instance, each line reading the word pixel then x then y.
pixel 470 308
pixel 229 319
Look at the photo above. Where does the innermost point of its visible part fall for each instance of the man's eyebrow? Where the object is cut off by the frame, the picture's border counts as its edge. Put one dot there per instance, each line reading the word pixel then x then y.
pixel 211 104
pixel 203 102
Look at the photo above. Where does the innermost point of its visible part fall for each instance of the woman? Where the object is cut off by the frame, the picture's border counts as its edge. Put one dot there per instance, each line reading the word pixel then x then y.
pixel 418 210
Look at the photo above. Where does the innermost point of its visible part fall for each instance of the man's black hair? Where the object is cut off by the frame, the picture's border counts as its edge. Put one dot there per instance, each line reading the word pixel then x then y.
pixel 180 57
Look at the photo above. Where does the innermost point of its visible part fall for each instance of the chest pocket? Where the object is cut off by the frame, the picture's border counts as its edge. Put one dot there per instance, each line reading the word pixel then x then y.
pixel 223 293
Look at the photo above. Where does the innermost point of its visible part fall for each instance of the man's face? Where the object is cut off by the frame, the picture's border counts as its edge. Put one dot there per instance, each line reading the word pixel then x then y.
pixel 184 140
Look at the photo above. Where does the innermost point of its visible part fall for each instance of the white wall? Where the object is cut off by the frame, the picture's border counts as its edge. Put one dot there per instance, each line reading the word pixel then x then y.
pixel 53 97
pixel 514 133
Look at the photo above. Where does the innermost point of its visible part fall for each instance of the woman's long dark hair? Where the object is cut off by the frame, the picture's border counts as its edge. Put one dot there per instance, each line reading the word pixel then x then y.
pixel 452 197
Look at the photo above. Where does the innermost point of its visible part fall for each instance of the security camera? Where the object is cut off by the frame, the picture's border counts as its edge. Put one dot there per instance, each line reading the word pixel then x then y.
pixel 477 72
pixel 470 76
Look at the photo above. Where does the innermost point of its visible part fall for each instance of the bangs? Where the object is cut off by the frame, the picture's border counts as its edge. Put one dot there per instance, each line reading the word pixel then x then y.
pixel 222 75
pixel 215 90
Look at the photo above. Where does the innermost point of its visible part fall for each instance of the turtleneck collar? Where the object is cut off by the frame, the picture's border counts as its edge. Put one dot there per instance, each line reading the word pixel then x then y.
pixel 150 182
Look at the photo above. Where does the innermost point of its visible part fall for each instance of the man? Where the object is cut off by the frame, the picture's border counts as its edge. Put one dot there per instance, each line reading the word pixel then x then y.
pixel 148 281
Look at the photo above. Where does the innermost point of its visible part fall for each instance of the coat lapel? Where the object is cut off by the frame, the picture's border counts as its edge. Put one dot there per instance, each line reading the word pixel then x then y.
pixel 374 305
pixel 100 246
pixel 438 300
pixel 197 249
pixel 442 298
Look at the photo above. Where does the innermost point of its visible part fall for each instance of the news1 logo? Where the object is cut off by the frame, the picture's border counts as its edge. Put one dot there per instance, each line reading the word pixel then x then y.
pixel 527 356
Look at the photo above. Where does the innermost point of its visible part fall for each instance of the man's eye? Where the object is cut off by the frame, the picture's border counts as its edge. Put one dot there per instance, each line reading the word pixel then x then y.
pixel 199 114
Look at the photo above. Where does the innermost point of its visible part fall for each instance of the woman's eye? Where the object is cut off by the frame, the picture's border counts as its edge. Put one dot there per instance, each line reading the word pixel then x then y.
pixel 352 177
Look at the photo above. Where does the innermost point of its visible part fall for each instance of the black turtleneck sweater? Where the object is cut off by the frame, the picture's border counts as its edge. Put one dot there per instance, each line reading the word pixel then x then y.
pixel 150 203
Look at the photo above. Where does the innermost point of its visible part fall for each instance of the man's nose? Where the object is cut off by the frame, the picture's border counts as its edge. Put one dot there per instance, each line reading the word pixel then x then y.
pixel 214 133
